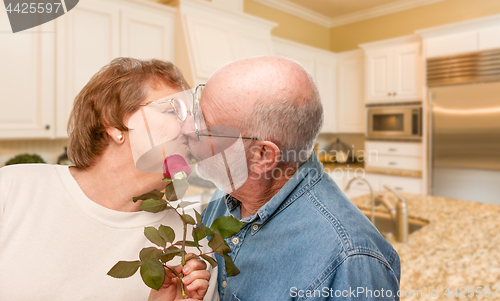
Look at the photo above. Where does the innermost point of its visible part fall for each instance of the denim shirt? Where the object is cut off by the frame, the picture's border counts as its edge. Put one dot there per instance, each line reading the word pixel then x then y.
pixel 309 242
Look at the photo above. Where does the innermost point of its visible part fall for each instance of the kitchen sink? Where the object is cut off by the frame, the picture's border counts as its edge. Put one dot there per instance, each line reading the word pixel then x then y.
pixel 386 225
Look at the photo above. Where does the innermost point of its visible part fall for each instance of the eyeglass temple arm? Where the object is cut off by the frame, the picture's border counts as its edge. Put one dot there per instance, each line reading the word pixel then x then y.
pixel 236 137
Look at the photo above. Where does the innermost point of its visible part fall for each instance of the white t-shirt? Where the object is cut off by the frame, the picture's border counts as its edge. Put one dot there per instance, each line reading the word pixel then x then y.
pixel 57 244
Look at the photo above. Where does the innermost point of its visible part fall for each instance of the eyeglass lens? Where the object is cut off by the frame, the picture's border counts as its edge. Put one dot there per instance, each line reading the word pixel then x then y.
pixel 180 108
pixel 199 121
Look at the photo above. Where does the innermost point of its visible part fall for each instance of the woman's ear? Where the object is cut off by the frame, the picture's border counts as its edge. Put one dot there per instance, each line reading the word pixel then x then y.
pixel 116 135
pixel 265 156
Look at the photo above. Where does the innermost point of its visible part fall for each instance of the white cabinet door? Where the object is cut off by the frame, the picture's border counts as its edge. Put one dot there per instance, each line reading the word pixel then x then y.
pixel 407 84
pixel 87 39
pixel 452 44
pixel 350 97
pixel 402 184
pixel 217 44
pixel 379 66
pixel 325 77
pixel 27 81
pixel 252 44
pixel 489 38
pixel 146 35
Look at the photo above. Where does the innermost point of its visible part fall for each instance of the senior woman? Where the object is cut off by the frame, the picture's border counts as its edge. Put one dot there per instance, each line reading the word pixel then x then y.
pixel 62 229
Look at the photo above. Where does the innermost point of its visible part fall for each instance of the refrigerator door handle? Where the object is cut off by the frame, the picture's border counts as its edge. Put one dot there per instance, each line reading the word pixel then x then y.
pixel 429 143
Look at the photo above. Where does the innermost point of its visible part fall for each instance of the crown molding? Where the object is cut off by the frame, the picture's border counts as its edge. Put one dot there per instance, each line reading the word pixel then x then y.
pixel 320 19
pixel 298 11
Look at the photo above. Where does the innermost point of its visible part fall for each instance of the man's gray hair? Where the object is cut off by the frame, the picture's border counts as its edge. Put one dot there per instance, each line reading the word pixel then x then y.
pixel 292 121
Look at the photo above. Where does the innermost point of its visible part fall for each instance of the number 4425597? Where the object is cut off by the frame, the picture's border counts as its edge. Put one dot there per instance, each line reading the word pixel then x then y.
pixel 462 292
pixel 33 8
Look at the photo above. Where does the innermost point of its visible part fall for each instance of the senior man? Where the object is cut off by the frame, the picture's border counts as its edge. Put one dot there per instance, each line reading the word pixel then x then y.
pixel 302 239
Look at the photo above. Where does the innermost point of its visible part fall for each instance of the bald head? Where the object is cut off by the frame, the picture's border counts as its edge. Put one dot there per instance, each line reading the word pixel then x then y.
pixel 259 79
pixel 270 97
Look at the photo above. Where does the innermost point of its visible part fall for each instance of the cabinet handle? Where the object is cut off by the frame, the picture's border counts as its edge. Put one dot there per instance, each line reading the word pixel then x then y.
pixel 389 94
pixel 393 163
pixel 47 127
pixel 398 188
pixel 360 184
pixel 394 94
pixel 393 149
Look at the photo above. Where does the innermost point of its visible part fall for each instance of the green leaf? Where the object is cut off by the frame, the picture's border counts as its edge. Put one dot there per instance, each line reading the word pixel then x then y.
pixel 166 233
pixel 226 226
pixel 210 260
pixel 153 194
pixel 189 219
pixel 231 268
pixel 198 234
pixel 187 243
pixel 207 230
pixel 198 216
pixel 218 244
pixel 153 273
pixel 176 190
pixel 124 269
pixel 170 254
pixel 185 204
pixel 167 180
pixel 154 206
pixel 149 253
pixel 154 236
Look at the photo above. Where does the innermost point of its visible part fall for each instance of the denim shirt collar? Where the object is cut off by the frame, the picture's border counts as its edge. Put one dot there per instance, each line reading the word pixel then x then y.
pixel 303 179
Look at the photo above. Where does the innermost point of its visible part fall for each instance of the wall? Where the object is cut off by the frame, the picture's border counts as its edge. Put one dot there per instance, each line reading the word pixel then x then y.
pixel 291 27
pixel 49 150
pixel 349 36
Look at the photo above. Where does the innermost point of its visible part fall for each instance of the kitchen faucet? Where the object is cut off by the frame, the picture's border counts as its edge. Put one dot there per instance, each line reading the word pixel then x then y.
pixel 372 215
pixel 399 215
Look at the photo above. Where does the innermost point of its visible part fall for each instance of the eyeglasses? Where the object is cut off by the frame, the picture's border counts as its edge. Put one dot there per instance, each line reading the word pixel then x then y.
pixel 199 119
pixel 164 105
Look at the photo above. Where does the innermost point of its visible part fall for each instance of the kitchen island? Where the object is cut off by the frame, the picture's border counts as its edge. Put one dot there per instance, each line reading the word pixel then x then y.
pixel 459 248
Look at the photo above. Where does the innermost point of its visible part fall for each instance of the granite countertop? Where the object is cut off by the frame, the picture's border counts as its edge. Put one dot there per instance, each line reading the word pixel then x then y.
pixel 460 247
pixel 330 167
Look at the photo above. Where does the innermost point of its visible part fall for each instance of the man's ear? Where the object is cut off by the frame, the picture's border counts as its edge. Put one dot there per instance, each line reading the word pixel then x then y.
pixel 116 135
pixel 265 155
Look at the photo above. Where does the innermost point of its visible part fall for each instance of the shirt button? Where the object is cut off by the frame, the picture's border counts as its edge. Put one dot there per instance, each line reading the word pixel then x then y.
pixel 255 227
pixel 224 283
pixel 235 240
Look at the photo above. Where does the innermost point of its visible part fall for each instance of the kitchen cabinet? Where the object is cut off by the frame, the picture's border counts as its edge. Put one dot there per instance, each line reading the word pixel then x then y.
pixel 323 67
pixel 462 37
pixel 393 155
pixel 376 182
pixel 41 85
pixel 393 70
pixel 351 114
pixel 209 37
pixel 27 88
pixel 95 32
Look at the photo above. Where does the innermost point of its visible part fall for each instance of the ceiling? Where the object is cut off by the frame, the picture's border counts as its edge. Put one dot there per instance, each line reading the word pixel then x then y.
pixel 336 8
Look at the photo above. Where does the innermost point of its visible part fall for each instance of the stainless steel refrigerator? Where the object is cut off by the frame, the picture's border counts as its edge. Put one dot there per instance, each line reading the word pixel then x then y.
pixel 464 128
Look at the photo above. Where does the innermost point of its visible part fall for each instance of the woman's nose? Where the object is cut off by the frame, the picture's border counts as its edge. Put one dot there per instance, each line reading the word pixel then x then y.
pixel 188 128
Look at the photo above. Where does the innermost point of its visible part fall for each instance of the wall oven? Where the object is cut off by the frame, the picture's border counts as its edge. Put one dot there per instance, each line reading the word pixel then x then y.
pixel 394 122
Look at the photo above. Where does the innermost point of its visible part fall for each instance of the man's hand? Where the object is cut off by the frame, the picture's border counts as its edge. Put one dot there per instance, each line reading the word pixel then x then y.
pixel 195 281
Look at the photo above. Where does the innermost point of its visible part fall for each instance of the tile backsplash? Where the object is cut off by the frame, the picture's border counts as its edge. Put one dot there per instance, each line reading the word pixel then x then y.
pixel 48 149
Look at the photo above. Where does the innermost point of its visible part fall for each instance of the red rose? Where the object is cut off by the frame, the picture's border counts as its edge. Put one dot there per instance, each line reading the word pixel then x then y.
pixel 174 164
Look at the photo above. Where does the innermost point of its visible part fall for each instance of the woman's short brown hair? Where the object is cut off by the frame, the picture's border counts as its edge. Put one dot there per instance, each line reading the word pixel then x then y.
pixel 112 94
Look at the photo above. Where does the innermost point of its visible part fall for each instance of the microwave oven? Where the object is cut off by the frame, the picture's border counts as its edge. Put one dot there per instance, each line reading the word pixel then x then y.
pixel 394 123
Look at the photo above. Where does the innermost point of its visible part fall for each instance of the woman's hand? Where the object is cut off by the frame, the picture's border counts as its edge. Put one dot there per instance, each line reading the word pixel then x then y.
pixel 195 281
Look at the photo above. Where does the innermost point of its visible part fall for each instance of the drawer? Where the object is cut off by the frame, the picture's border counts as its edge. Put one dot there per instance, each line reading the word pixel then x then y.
pixel 402 184
pixel 394 162
pixel 406 149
